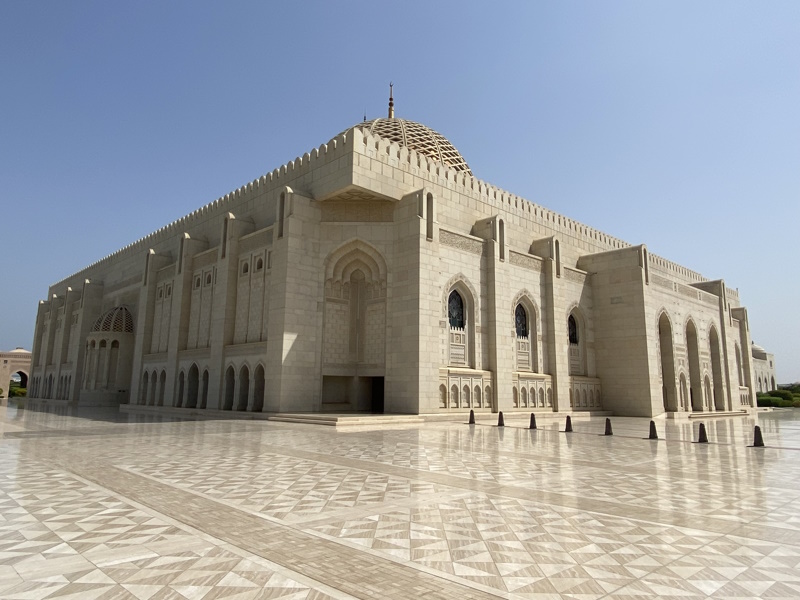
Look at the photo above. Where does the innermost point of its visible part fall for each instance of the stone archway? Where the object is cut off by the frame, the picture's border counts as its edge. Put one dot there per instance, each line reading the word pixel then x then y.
pixel 354 328
pixel 668 391
pixel 695 379
pixel 16 362
pixel 717 400
pixel 194 387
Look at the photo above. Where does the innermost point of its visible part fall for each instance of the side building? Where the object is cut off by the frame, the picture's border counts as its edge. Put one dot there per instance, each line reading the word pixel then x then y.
pixel 376 273
pixel 763 369
pixel 14 362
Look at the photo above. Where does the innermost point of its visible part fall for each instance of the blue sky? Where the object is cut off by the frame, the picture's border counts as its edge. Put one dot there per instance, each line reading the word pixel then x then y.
pixel 674 124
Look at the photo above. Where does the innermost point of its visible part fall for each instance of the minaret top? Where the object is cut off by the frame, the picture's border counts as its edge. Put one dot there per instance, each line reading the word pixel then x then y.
pixel 391 102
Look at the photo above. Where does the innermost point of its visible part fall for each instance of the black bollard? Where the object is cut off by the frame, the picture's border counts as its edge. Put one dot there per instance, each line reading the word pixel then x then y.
pixel 608 427
pixel 568 428
pixel 653 432
pixel 472 417
pixel 500 421
pixel 702 437
pixel 533 421
pixel 758 441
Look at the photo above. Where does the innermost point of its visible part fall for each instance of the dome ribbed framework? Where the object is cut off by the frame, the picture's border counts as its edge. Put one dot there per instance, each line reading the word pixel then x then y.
pixel 418 137
pixel 116 320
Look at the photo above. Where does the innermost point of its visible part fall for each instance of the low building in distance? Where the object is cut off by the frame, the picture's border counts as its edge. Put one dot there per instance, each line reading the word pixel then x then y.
pixel 763 369
pixel 14 365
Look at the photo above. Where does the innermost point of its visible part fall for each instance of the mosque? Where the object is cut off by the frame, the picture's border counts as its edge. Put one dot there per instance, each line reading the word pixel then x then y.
pixel 376 273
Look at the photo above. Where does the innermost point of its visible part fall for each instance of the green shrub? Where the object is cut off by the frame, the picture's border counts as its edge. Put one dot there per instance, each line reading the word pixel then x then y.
pixel 773 401
pixel 785 394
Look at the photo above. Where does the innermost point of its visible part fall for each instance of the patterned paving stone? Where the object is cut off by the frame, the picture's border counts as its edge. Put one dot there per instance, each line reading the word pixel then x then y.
pixel 122 507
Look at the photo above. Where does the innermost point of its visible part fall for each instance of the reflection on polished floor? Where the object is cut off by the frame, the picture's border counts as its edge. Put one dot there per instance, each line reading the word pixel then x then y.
pixel 107 505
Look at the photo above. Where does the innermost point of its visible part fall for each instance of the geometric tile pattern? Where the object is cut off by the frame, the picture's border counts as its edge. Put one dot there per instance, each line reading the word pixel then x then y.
pixel 63 538
pixel 280 486
pixel 440 510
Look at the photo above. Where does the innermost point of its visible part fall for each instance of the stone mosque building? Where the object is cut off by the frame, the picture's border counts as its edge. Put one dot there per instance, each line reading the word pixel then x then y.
pixel 763 369
pixel 377 273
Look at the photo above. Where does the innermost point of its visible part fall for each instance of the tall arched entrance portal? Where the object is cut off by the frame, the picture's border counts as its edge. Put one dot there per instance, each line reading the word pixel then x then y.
pixel 354 329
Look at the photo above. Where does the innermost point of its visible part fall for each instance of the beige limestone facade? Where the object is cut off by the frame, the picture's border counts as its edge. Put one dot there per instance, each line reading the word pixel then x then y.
pixel 376 273
pixel 763 369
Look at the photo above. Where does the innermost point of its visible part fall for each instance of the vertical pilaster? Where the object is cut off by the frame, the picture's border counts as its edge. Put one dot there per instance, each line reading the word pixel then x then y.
pixel 223 314
pixel 295 325
pixel 747 351
pixel 556 337
pixel 144 319
pixel 37 356
pixel 725 358
pixel 90 306
pixel 500 349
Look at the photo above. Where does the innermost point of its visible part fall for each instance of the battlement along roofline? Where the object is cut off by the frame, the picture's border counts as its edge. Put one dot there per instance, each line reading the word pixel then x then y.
pixel 357 139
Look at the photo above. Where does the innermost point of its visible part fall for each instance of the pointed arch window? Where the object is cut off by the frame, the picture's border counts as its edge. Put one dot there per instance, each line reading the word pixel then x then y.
pixel 521 321
pixel 572 326
pixel 576 347
pixel 455 310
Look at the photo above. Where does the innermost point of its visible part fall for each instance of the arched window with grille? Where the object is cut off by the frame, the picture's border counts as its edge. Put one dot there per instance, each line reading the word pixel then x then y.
pixel 525 342
pixel 458 333
pixel 577 358
pixel 521 321
pixel 455 310
pixel 572 326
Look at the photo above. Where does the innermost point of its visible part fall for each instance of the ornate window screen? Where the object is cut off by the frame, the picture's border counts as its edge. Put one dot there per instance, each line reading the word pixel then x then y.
pixel 521 321
pixel 455 310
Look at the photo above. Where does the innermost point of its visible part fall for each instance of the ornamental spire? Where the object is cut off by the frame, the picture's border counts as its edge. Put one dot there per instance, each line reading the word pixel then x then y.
pixel 391 102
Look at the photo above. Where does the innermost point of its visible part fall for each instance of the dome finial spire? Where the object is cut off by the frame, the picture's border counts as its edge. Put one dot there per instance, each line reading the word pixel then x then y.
pixel 391 102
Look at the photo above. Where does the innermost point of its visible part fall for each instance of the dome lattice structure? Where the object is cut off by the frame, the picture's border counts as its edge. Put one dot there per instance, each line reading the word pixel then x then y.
pixel 420 138
pixel 116 320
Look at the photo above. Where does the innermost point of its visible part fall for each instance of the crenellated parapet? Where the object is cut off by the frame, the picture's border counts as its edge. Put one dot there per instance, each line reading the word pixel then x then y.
pixel 673 269
pixel 269 182
pixel 360 141
pixel 467 185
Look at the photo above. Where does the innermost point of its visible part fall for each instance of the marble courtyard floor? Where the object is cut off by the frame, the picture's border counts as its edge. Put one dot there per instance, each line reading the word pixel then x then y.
pixel 107 505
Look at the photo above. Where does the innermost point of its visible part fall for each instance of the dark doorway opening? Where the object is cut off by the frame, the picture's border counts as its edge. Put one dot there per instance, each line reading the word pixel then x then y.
pixel 377 395
pixel 23 379
pixel 352 393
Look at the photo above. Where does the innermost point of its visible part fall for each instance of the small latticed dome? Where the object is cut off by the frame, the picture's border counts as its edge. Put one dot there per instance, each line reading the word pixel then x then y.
pixel 418 137
pixel 117 320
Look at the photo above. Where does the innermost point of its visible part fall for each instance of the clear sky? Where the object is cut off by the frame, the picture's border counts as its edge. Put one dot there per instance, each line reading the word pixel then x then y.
pixel 675 124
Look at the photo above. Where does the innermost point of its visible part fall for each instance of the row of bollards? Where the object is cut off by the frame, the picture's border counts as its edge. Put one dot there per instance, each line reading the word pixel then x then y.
pixel 758 439
pixel 702 438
